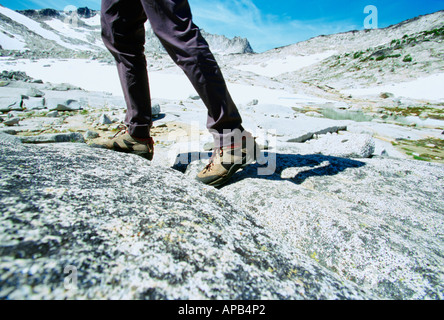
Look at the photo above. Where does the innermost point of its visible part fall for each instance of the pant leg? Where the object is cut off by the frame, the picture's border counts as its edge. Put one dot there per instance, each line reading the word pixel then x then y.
pixel 123 33
pixel 171 21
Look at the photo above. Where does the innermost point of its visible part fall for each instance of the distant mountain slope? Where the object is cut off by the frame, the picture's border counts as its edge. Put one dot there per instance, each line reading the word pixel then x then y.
pixel 363 39
pixel 53 31
pixel 401 52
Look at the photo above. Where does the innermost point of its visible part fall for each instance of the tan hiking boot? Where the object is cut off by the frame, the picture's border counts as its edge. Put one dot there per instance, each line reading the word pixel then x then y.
pixel 227 160
pixel 124 142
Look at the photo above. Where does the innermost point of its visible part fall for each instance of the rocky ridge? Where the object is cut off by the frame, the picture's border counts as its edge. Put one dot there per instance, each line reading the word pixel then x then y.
pixel 77 34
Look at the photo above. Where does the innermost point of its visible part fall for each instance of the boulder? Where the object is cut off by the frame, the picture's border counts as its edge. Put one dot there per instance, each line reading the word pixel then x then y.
pixel 75 225
pixel 34 103
pixel 11 121
pixel 33 92
pixel 54 138
pixel 10 104
pixel 377 222
pixel 343 145
pixel 104 119
pixel 155 110
pixel 63 104
pixel 386 95
pixel 90 135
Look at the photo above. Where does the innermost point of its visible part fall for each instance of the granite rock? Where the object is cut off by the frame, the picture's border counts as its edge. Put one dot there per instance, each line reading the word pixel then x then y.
pixel 75 225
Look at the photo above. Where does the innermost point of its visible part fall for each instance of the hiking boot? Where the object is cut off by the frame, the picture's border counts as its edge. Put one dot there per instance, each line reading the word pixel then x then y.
pixel 122 141
pixel 227 160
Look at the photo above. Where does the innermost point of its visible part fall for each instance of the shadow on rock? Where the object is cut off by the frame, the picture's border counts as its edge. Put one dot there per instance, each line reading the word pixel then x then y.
pixel 274 166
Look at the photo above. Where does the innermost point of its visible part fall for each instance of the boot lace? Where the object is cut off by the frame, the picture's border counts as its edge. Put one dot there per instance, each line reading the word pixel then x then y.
pixel 213 156
pixel 120 129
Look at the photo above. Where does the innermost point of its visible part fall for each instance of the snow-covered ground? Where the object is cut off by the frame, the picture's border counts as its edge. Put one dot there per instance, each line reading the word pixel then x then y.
pixel 93 21
pixel 92 75
pixel 427 88
pixel 275 67
pixel 11 42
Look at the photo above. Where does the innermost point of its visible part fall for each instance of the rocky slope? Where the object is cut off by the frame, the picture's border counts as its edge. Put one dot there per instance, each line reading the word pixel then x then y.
pixel 401 52
pixel 402 58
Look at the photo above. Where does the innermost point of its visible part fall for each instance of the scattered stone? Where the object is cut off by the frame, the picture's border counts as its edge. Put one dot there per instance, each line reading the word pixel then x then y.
pixel 104 119
pixel 64 105
pixel 194 97
pixel 53 114
pixel 103 127
pixel 155 109
pixel 10 104
pixel 254 102
pixel 15 75
pixel 11 121
pixel 386 95
pixel 208 146
pixel 63 87
pixel 90 135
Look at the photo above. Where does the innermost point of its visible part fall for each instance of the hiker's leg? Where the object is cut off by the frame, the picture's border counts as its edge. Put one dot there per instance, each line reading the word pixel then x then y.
pixel 123 33
pixel 171 21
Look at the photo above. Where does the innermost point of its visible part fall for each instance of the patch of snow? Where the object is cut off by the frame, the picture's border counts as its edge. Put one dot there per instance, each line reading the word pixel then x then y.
pixel 36 28
pixel 96 76
pixel 9 41
pixel 67 30
pixel 427 88
pixel 275 67
pixel 243 94
pixel 93 21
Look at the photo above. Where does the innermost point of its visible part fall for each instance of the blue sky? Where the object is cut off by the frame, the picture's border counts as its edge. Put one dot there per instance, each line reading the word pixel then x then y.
pixel 272 23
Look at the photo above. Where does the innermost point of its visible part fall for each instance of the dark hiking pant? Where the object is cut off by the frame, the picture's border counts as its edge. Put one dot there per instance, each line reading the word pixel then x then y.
pixel 123 33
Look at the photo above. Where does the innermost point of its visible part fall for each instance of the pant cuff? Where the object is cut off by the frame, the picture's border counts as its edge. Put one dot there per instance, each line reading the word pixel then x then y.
pixel 141 132
pixel 229 137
